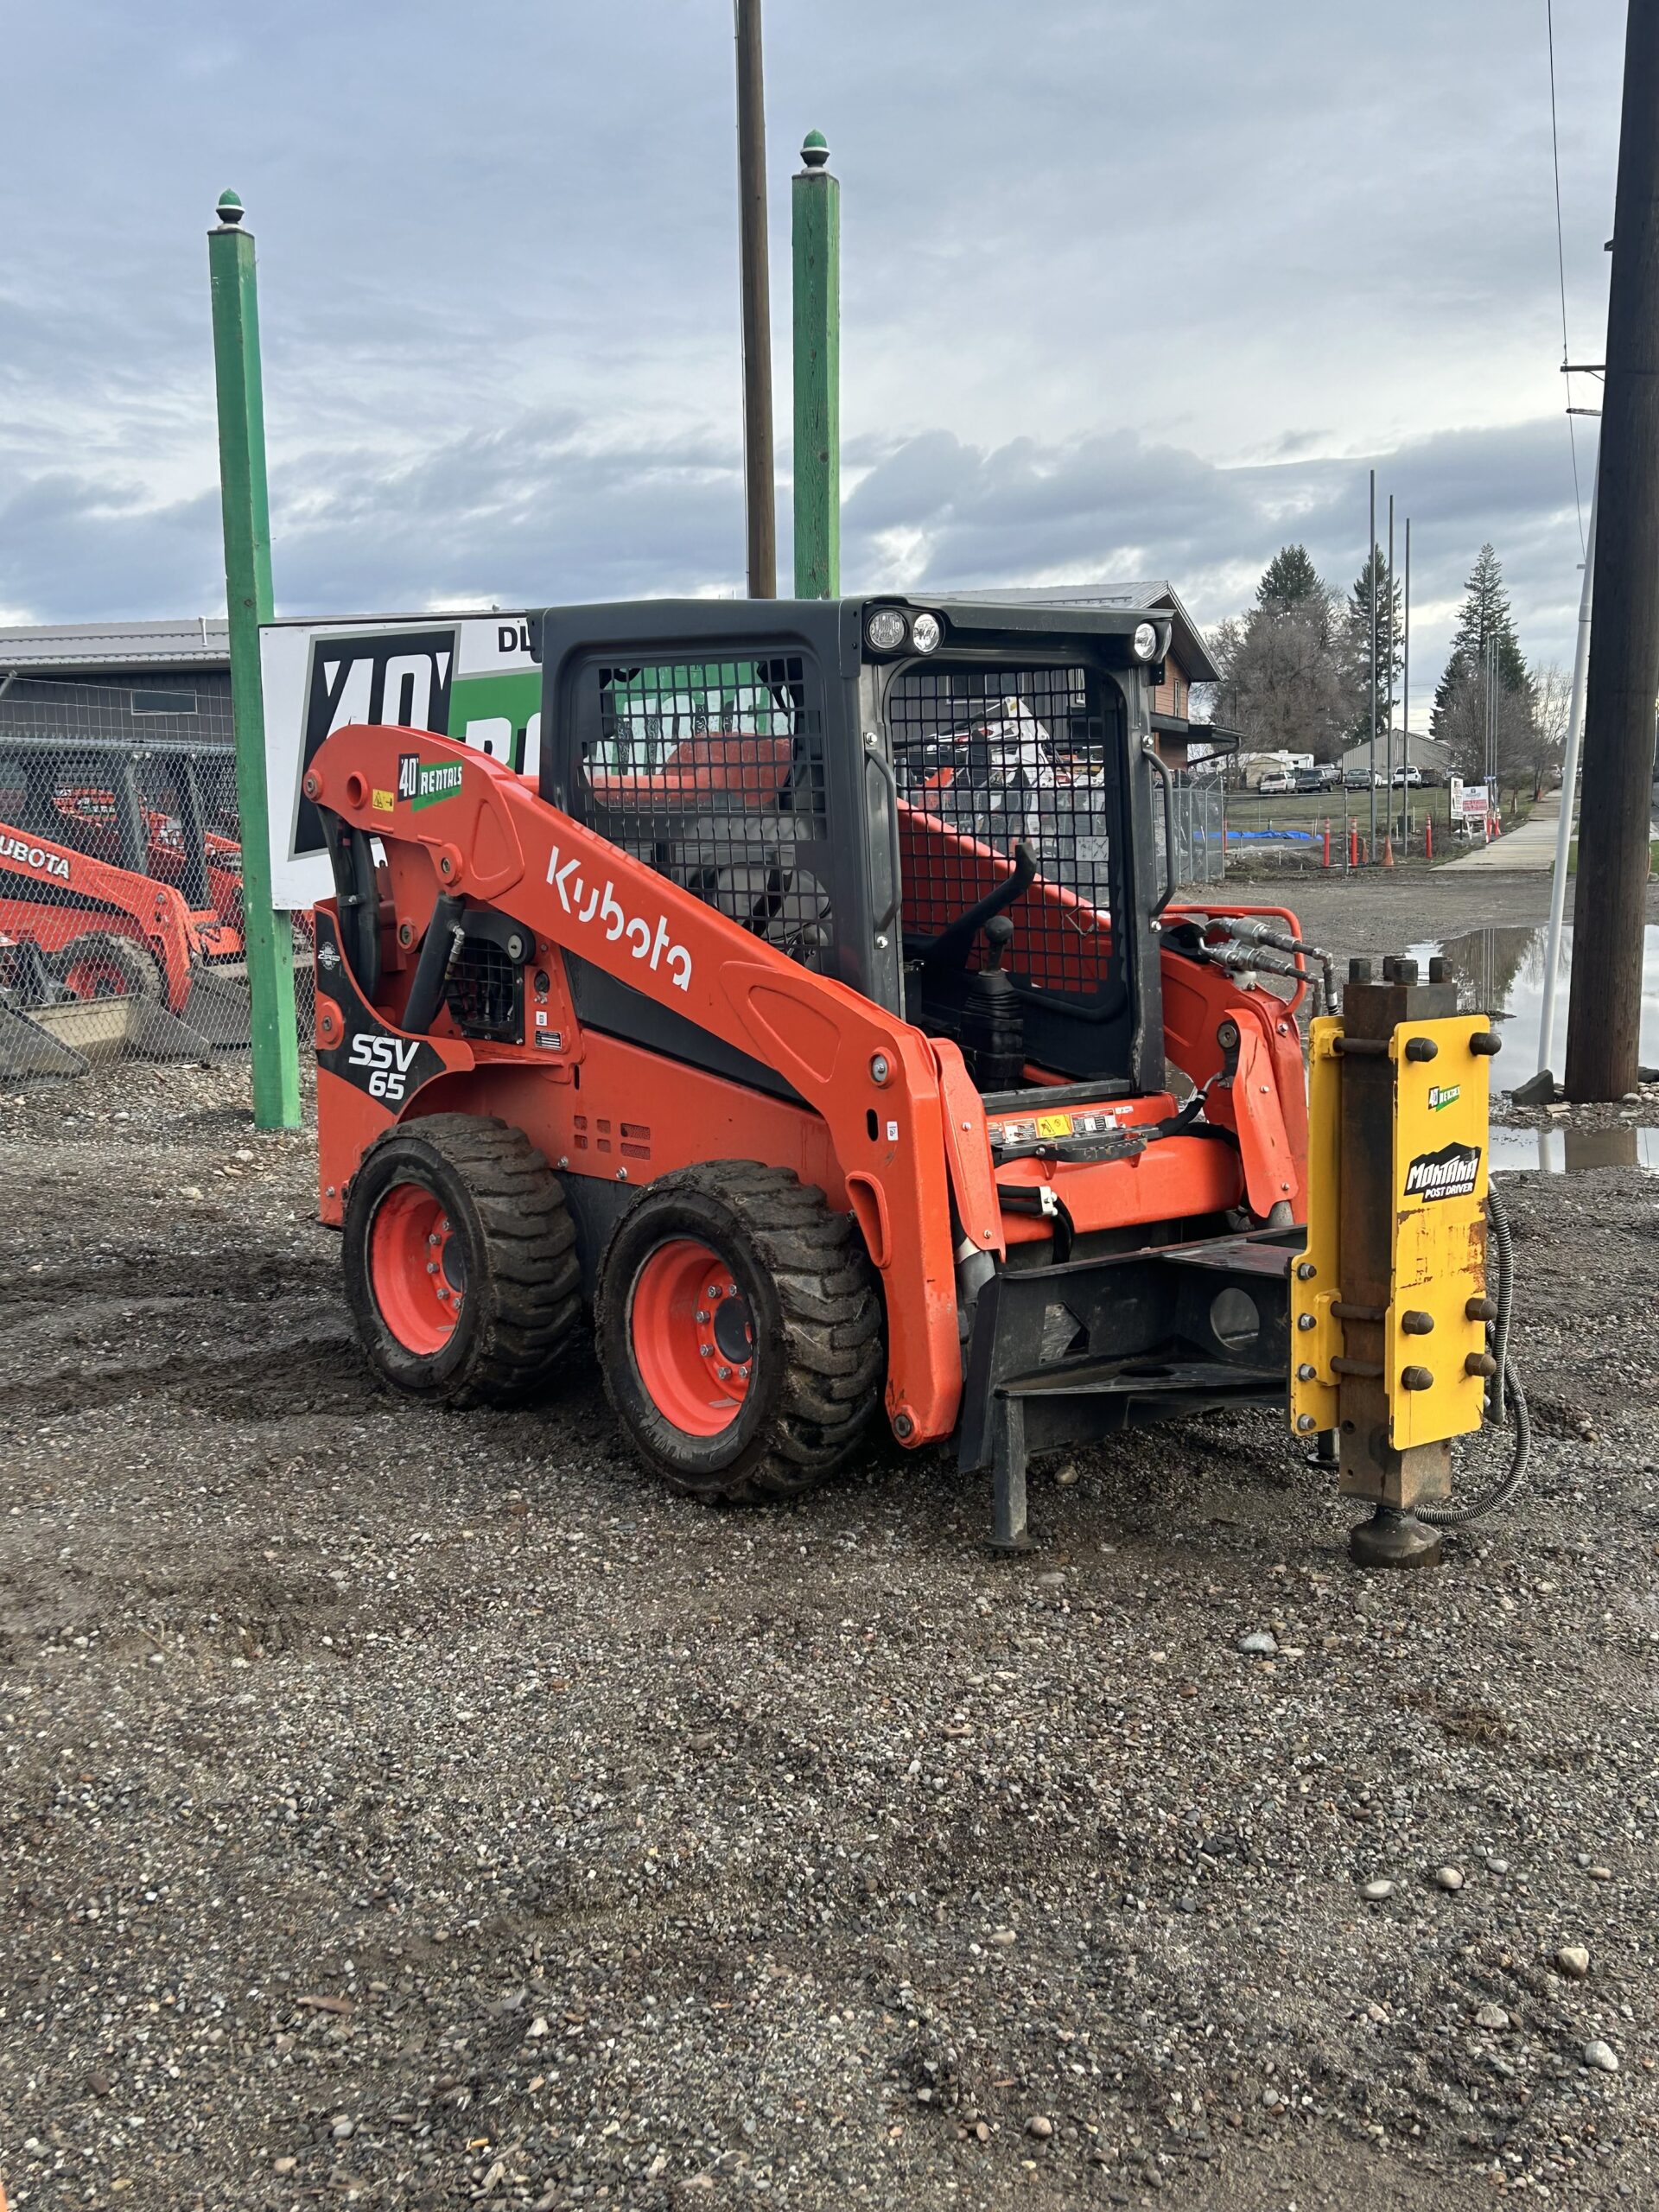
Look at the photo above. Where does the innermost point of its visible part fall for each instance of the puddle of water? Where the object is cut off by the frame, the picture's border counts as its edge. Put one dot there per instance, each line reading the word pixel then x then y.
pixel 1566 1152
pixel 1501 972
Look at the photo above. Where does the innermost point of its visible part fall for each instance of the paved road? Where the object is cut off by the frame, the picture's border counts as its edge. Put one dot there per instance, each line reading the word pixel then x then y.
pixel 1531 847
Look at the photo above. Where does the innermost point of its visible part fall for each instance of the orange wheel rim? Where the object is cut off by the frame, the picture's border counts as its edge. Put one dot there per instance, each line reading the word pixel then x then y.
pixel 418 1268
pixel 97 975
pixel 692 1336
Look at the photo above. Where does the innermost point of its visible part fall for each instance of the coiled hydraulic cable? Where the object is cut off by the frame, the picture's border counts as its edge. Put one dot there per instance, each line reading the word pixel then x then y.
pixel 1504 1387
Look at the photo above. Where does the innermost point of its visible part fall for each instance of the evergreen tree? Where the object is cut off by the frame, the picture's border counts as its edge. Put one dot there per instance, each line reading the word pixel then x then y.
pixel 1289 580
pixel 1484 619
pixel 1374 582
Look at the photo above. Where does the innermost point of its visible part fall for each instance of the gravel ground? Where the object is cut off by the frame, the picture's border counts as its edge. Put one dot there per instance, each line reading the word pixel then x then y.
pixel 411 1809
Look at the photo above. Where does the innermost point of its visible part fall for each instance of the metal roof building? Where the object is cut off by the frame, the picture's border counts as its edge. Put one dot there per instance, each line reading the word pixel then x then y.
pixel 199 643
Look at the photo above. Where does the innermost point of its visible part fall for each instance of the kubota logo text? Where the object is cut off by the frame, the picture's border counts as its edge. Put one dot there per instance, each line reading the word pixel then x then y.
pixel 603 905
pixel 388 1060
pixel 35 856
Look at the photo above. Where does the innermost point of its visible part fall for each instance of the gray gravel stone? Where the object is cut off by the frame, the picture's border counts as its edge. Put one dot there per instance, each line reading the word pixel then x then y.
pixel 423 1747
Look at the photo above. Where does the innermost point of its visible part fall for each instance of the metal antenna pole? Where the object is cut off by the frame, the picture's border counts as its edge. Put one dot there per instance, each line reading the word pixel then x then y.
pixel 1370 565
pixel 267 940
pixel 1569 784
pixel 757 466
pixel 1405 686
pixel 1387 746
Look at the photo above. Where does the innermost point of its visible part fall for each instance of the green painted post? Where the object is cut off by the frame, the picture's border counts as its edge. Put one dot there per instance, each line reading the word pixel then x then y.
pixel 816 237
pixel 266 935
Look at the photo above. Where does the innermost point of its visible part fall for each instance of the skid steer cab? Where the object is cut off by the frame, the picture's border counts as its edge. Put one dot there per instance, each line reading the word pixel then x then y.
pixel 815 1039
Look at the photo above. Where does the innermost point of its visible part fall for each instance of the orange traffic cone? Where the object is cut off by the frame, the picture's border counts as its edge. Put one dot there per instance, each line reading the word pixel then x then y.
pixel 1388 851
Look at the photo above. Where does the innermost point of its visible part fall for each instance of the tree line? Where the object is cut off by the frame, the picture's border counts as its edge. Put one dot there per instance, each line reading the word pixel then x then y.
pixel 1296 672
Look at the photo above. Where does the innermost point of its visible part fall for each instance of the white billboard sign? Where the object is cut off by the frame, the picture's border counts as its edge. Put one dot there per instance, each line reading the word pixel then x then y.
pixel 464 676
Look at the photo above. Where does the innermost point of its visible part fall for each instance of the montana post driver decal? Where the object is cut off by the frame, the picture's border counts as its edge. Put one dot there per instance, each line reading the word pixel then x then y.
pixel 1448 1174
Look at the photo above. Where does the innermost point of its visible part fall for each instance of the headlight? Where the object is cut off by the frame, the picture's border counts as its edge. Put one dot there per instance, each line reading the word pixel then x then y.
pixel 1145 641
pixel 885 630
pixel 925 633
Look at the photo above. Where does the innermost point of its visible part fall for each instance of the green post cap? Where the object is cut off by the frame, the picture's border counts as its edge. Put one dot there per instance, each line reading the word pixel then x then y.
pixel 815 149
pixel 229 210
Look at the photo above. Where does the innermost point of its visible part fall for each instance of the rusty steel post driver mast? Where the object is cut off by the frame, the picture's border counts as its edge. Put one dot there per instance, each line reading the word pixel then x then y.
pixel 819 1011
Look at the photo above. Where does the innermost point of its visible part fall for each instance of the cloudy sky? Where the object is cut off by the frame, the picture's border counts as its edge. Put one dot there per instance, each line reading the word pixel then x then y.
pixel 1128 291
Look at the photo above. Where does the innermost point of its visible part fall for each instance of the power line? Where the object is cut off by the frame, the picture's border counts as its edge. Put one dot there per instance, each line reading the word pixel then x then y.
pixel 1560 265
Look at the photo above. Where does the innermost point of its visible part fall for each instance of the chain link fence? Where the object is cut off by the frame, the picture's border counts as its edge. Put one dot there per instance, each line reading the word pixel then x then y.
pixel 121 922
pixel 1199 818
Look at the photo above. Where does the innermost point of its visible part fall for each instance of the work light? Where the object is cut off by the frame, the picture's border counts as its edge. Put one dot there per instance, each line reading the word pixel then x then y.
pixel 1145 641
pixel 925 631
pixel 885 630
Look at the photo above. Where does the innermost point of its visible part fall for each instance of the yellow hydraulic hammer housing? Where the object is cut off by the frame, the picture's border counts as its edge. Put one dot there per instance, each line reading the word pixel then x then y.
pixel 1388 1302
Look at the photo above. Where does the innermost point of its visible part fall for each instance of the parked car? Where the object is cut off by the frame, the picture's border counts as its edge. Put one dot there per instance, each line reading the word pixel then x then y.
pixel 1276 784
pixel 1361 779
pixel 1323 778
pixel 1412 776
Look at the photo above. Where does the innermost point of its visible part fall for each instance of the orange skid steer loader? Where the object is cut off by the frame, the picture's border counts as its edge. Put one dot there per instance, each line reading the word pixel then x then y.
pixel 821 1017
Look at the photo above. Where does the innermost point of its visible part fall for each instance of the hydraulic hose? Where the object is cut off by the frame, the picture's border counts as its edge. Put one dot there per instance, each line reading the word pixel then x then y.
pixel 1504 1386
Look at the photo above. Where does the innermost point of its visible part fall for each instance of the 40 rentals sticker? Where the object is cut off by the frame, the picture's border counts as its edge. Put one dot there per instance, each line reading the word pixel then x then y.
pixel 1448 1174
pixel 425 784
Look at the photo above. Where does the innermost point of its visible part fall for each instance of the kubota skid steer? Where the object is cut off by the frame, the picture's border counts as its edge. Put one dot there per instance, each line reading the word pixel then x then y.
pixel 115 884
pixel 821 1015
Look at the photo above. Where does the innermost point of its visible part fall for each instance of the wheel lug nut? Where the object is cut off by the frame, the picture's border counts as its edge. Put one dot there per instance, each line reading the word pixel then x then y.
pixel 708 1351
pixel 431 1266
pixel 702 1317
pixel 724 1373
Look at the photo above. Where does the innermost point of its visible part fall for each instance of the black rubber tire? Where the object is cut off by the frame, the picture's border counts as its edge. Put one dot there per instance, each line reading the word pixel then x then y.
pixel 522 1313
pixel 820 1351
pixel 134 961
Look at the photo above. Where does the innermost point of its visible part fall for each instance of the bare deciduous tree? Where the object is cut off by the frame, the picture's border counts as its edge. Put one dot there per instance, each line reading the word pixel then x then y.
pixel 1462 725
pixel 1552 697
pixel 1282 678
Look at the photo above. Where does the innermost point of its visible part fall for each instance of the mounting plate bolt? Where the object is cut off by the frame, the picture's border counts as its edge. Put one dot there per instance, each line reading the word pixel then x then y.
pixel 1304 1421
pixel 1306 1321
pixel 1305 1271
pixel 902 1425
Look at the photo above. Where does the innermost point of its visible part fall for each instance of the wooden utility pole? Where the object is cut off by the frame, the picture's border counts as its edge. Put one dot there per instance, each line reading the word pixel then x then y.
pixel 757 478
pixel 1604 1012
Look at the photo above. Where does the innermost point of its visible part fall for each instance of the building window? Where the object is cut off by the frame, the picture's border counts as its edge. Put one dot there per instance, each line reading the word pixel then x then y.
pixel 163 703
